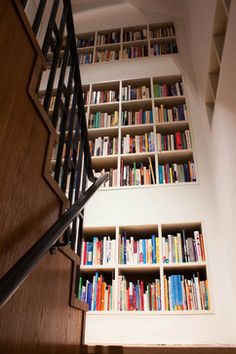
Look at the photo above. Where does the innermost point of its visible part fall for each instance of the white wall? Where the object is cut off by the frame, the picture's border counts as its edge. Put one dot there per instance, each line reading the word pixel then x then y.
pixel 174 203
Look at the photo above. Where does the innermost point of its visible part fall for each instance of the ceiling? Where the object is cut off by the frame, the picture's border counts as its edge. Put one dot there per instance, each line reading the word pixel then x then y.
pixel 169 7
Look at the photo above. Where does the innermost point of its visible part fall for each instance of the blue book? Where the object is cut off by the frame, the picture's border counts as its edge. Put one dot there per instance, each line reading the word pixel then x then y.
pixel 151 117
pixel 180 294
pixel 144 251
pixel 175 291
pixel 125 251
pixel 160 174
pixel 137 297
pixel 90 253
pixel 90 296
pixel 95 288
pixel 154 258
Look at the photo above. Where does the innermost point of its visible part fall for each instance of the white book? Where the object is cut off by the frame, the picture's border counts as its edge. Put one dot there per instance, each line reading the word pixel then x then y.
pixel 104 259
pixel 196 283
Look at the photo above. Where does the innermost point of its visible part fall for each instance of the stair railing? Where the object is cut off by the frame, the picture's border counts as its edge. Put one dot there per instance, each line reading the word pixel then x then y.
pixel 72 166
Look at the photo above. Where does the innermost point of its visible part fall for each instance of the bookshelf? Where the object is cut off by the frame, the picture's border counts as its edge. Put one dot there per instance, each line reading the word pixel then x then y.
pixel 217 46
pixel 126 43
pixel 156 269
pixel 140 133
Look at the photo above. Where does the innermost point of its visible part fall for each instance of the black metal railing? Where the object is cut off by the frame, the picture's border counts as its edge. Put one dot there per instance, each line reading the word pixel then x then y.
pixel 10 282
pixel 72 166
pixel 63 101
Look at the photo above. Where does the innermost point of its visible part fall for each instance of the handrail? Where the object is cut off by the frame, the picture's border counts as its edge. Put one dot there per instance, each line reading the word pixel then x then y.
pixel 11 281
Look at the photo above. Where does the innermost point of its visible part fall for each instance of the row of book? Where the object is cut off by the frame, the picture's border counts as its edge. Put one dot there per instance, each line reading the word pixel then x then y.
pixel 141 251
pixel 135 93
pixel 180 248
pixel 132 52
pixel 136 117
pixel 85 42
pixel 164 48
pixel 107 55
pixel 137 174
pixel 177 173
pixel 135 35
pixel 161 32
pixel 138 143
pixel 103 120
pixel 180 294
pixel 186 294
pixel 175 141
pixel 138 297
pixel 112 181
pixel 108 38
pixel 171 89
pixel 85 58
pixel 104 96
pixel 98 251
pixel 173 114
pixel 103 146
pixel 97 293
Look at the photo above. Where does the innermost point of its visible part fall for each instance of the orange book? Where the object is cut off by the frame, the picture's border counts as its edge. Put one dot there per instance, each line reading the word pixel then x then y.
pixel 202 247
pixel 103 288
pixel 99 290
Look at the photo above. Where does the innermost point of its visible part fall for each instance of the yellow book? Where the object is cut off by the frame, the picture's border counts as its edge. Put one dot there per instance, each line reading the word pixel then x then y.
pixel 146 142
pixel 176 250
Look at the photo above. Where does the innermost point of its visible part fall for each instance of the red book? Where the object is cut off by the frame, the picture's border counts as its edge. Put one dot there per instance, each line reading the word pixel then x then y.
pixel 142 294
pixel 134 298
pixel 178 141
pixel 128 299
pixel 85 253
pixel 99 290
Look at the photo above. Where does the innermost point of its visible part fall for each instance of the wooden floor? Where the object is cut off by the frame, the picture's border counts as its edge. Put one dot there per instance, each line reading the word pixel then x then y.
pixel 165 349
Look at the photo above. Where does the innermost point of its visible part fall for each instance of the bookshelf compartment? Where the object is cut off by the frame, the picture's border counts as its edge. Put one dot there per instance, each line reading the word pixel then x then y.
pixel 97 289
pixel 176 141
pixel 186 289
pixel 108 37
pixel 85 40
pixel 170 113
pixel 137 170
pixel 137 33
pixel 167 47
pixel 103 117
pixel 139 247
pixel 136 90
pixel 85 56
pixel 98 248
pixel 135 50
pixel 183 244
pixel 105 93
pixel 163 30
pixel 137 293
pixel 140 115
pixel 108 54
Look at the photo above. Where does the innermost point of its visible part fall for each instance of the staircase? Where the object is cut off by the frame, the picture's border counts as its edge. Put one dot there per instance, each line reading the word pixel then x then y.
pixel 45 166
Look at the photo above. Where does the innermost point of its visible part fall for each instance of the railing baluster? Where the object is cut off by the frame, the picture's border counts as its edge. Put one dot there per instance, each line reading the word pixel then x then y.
pixel 38 16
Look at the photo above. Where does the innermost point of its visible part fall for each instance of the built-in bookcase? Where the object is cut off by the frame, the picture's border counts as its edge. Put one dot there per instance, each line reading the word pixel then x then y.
pixel 126 43
pixel 145 268
pixel 217 46
pixel 139 132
